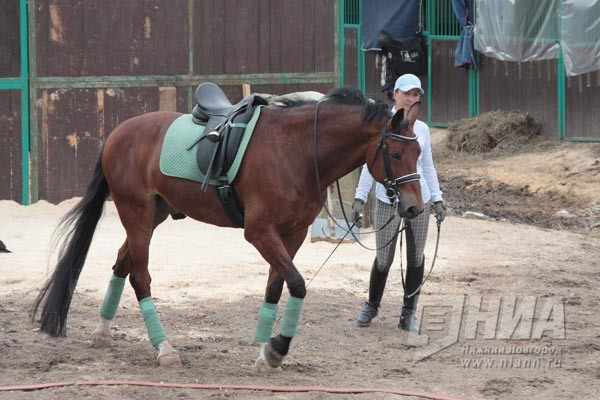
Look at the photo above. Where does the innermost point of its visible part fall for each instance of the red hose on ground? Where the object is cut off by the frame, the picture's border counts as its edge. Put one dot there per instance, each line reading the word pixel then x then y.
pixel 232 387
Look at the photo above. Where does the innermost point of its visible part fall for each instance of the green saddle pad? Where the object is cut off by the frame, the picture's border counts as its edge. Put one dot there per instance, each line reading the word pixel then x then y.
pixel 177 161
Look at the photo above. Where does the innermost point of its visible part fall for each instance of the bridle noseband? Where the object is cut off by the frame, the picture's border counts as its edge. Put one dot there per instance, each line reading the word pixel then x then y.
pixel 390 181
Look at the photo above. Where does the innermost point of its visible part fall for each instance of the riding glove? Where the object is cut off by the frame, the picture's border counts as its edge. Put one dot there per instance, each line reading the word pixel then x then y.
pixel 440 211
pixel 357 212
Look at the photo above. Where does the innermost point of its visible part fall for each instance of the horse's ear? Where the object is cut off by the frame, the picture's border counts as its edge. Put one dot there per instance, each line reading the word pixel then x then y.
pixel 396 119
pixel 413 113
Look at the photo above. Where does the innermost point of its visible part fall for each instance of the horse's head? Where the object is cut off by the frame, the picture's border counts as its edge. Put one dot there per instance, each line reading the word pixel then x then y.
pixel 392 160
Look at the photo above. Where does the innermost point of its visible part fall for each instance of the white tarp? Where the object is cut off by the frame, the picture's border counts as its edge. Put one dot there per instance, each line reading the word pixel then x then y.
pixel 525 30
pixel 580 35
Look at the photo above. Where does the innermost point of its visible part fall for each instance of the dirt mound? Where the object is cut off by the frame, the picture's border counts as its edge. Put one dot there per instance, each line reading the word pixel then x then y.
pixel 496 130
pixel 545 182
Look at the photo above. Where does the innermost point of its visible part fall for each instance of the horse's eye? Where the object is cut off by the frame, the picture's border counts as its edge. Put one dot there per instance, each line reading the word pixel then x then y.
pixel 397 156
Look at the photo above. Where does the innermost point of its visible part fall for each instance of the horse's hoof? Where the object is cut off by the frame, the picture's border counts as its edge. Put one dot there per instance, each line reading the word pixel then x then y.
pixel 263 367
pixel 168 356
pixel 101 340
pixel 273 357
pixel 169 360
pixel 268 362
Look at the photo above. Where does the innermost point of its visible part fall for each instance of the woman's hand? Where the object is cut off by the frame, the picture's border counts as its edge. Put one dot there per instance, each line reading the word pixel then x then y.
pixel 440 211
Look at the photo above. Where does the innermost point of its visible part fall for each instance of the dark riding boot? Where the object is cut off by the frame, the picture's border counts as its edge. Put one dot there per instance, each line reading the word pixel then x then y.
pixel 376 287
pixel 414 278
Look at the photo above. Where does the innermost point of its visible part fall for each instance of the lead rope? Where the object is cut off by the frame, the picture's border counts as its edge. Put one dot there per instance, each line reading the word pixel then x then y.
pixel 338 245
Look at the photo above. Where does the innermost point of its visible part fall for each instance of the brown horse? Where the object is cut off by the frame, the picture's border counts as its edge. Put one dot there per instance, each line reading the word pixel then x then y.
pixel 276 187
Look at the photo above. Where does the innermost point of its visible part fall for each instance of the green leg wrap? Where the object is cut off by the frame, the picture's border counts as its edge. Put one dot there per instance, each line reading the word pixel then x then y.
pixel 266 320
pixel 112 297
pixel 155 330
pixel 291 317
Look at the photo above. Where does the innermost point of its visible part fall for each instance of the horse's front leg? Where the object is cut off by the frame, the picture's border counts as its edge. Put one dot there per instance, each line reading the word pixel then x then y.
pixel 279 252
pixel 266 320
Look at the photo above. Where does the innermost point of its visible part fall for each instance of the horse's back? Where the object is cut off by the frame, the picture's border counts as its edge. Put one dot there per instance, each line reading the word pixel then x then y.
pixel 143 125
pixel 134 146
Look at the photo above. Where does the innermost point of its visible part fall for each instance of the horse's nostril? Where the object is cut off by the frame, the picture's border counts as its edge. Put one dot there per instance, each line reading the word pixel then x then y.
pixel 411 212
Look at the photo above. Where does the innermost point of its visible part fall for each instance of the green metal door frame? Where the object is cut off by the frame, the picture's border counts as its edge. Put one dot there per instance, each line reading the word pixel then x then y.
pixel 446 29
pixel 357 25
pixel 22 84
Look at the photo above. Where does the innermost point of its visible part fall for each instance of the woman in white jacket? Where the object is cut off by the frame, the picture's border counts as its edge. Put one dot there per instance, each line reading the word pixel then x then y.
pixel 407 91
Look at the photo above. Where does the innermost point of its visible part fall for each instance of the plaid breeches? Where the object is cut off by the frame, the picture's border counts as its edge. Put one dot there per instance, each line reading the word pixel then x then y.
pixel 416 236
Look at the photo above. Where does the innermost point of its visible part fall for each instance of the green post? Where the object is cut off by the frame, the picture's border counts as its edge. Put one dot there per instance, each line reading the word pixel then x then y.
pixel 561 84
pixel 560 73
pixel 361 54
pixel 429 79
pixel 341 42
pixel 33 86
pixel 473 92
pixel 24 103
pixel 430 17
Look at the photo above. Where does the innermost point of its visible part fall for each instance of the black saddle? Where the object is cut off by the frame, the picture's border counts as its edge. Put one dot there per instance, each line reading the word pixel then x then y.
pixel 224 127
pixel 212 102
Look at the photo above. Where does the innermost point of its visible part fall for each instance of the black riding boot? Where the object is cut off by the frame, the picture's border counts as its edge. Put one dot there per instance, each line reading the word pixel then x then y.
pixel 376 287
pixel 414 277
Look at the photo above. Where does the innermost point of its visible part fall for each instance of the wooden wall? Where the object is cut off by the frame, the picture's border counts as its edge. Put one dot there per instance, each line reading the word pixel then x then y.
pixel 524 87
pixel 10 145
pixel 450 85
pixel 10 58
pixel 150 39
pixel 582 104
pixel 118 37
pixel 10 103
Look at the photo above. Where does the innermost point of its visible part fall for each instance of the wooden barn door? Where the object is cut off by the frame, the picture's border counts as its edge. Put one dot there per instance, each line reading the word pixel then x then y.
pixel 99 63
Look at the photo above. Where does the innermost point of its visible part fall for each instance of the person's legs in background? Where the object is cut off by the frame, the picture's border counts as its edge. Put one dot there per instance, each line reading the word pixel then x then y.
pixel 416 237
pixel 383 261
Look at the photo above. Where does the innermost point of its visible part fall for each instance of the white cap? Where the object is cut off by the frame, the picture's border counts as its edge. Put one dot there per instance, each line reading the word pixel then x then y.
pixel 407 82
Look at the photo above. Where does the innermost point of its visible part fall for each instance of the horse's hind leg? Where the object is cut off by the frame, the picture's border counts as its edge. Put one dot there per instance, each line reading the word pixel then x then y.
pixel 139 222
pixel 133 261
pixel 102 336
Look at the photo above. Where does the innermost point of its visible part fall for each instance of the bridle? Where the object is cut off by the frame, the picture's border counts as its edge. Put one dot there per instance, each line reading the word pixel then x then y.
pixel 390 181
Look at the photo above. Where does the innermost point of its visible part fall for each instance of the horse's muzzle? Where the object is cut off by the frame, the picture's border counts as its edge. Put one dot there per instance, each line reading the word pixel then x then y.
pixel 411 212
pixel 409 207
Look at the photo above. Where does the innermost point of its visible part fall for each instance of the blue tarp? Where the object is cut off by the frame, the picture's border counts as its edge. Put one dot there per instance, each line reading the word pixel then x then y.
pixel 464 57
pixel 401 18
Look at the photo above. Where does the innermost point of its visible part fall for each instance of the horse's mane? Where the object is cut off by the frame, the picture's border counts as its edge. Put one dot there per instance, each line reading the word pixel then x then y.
pixel 373 108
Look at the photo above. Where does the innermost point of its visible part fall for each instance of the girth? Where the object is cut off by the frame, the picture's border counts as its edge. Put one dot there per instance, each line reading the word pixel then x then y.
pixel 225 124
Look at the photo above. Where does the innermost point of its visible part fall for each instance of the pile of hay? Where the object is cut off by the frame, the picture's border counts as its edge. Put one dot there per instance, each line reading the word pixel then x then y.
pixel 496 130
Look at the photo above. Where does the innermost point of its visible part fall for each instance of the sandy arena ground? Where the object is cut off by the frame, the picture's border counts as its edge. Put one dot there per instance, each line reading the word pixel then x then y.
pixel 208 284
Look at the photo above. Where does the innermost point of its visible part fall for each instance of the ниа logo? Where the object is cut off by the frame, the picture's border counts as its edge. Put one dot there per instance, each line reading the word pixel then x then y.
pixel 505 317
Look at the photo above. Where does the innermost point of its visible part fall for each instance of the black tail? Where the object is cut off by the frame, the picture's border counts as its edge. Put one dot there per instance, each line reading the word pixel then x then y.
pixel 82 220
